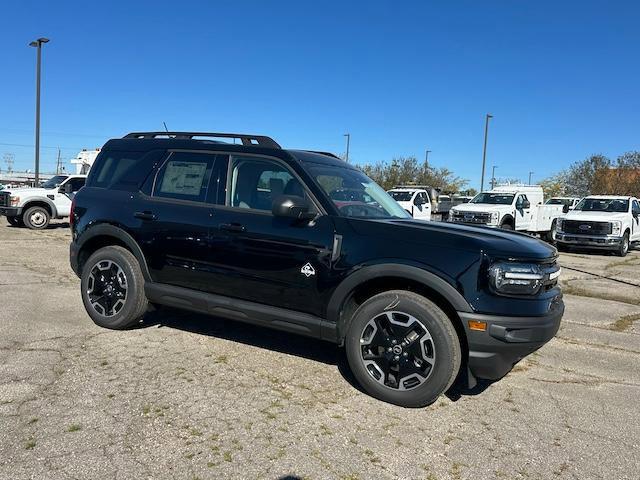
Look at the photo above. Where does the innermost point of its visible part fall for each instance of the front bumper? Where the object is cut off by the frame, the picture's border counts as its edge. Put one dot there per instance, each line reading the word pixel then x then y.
pixel 10 211
pixel 591 241
pixel 507 340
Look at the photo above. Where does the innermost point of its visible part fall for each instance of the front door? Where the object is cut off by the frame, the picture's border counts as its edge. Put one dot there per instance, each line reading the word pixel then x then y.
pixel 523 215
pixel 635 221
pixel 263 258
pixel 421 207
pixel 65 195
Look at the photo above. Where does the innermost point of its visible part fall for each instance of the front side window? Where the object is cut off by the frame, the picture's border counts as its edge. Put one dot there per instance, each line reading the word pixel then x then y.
pixel 356 195
pixel 76 184
pixel 184 176
pixel 636 207
pixel 256 182
pixel 603 205
pixel 400 196
pixel 493 198
pixel 54 182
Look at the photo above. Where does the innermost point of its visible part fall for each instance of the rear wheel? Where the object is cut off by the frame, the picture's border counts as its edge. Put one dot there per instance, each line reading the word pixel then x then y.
pixel 623 249
pixel 403 349
pixel 36 218
pixel 112 287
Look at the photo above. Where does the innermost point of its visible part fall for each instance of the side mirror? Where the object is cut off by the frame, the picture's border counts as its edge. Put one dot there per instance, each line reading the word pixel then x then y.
pixel 526 204
pixel 66 188
pixel 565 208
pixel 291 206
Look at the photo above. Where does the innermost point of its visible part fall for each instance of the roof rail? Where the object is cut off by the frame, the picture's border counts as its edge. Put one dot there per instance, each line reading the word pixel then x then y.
pixel 247 140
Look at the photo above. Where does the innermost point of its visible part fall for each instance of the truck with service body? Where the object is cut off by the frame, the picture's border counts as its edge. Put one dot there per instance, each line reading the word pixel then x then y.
pixel 35 207
pixel 603 222
pixel 414 200
pixel 511 207
pixel 568 203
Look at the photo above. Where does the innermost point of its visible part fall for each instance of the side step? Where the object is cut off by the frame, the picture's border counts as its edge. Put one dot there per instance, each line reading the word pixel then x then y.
pixel 242 310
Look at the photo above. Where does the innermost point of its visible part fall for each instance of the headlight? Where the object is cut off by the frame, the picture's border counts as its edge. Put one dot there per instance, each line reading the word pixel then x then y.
pixel 559 223
pixel 616 227
pixel 516 278
pixel 495 216
pixel 14 201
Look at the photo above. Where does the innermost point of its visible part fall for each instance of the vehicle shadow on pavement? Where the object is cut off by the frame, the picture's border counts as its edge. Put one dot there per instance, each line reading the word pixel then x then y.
pixel 261 337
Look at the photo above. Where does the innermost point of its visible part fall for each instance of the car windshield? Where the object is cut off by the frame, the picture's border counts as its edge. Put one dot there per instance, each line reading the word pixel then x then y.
pixel 493 198
pixel 54 181
pixel 603 205
pixel 400 196
pixel 558 201
pixel 355 194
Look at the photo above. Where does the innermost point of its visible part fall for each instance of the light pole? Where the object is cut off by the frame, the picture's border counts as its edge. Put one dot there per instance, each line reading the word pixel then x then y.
pixel 38 44
pixel 426 156
pixel 346 157
pixel 493 176
pixel 530 173
pixel 484 151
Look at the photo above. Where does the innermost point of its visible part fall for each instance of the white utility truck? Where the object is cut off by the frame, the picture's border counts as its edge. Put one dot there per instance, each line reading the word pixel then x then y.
pixel 569 203
pixel 601 221
pixel 34 207
pixel 414 200
pixel 512 207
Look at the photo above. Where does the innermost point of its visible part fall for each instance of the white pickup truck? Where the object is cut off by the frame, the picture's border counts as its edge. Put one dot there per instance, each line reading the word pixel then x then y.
pixel 34 207
pixel 601 221
pixel 414 200
pixel 511 207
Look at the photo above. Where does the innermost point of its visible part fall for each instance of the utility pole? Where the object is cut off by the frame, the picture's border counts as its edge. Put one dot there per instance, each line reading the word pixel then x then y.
pixel 530 173
pixel 493 177
pixel 8 159
pixel 38 44
pixel 426 156
pixel 484 151
pixel 58 165
pixel 348 135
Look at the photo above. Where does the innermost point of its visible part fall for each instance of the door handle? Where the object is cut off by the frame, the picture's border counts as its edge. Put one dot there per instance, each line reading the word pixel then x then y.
pixel 232 227
pixel 145 216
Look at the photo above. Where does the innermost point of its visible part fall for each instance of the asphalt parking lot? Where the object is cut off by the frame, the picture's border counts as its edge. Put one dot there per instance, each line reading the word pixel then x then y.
pixel 187 396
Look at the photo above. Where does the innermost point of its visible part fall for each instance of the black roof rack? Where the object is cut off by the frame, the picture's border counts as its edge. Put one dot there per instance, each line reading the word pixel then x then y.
pixel 247 140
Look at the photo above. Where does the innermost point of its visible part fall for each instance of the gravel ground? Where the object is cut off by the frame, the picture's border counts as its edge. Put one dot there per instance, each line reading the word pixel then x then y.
pixel 187 396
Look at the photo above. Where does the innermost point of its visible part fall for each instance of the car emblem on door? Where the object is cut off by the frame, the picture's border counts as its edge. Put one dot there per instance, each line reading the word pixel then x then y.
pixel 307 270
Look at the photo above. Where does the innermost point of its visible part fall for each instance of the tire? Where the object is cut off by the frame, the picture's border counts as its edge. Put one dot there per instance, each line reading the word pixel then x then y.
pixel 623 249
pixel 15 221
pixel 437 342
pixel 506 226
pixel 550 237
pixel 112 288
pixel 36 218
pixel 562 247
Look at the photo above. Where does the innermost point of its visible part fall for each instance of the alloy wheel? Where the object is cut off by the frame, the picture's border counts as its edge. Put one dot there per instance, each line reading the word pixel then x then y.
pixel 397 350
pixel 107 288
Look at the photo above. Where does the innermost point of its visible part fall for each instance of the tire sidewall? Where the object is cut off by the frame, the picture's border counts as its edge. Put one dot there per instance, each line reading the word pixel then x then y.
pixel 624 246
pixel 135 287
pixel 30 212
pixel 506 226
pixel 446 365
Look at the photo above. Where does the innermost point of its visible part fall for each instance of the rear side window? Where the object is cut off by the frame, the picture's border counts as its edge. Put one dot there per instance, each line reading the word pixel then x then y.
pixel 113 167
pixel 184 176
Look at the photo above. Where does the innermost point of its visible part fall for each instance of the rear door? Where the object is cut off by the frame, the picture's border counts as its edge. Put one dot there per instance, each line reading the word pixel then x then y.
pixel 263 258
pixel 172 223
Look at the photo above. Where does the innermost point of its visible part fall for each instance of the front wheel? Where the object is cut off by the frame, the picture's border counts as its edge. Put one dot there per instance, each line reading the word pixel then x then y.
pixel 623 249
pixel 506 226
pixel 403 349
pixel 112 287
pixel 550 237
pixel 36 218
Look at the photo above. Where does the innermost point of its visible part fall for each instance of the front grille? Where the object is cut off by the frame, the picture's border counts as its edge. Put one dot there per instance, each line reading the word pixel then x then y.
pixel 4 199
pixel 586 228
pixel 471 217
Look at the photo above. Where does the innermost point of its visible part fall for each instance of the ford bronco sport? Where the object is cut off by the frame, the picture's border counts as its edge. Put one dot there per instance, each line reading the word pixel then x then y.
pixel 252 232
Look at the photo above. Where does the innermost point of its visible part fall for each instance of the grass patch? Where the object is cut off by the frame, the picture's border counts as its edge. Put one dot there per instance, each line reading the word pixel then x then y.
pixel 227 456
pixel 221 359
pixel 624 323
pixel 74 427
pixel 29 444
pixel 32 421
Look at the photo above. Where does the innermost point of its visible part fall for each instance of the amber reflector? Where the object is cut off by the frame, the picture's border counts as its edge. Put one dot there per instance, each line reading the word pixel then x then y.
pixel 479 326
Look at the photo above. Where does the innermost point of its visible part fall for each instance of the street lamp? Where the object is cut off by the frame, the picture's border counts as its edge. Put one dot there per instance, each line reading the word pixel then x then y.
pixel 493 176
pixel 348 135
pixel 38 44
pixel 426 156
pixel 530 173
pixel 484 151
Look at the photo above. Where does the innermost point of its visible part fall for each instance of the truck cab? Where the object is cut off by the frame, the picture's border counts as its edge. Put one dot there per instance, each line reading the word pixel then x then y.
pixel 414 200
pixel 568 203
pixel 35 207
pixel 603 222
pixel 510 207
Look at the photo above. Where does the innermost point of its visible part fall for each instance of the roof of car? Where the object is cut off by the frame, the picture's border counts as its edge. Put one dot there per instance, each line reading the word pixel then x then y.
pixel 610 197
pixel 323 158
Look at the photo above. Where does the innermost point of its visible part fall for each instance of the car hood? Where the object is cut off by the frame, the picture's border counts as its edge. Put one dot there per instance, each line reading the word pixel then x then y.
pixel 478 207
pixel 434 235
pixel 595 216
pixel 31 192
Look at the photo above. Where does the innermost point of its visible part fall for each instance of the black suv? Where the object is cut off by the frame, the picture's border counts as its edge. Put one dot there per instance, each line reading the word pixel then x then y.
pixel 256 233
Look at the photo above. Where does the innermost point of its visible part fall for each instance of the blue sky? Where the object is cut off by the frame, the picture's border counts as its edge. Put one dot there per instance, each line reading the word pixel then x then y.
pixel 561 78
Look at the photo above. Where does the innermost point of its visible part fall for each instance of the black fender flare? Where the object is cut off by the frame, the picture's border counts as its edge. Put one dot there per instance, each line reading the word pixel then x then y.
pixel 107 230
pixel 48 201
pixel 431 280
